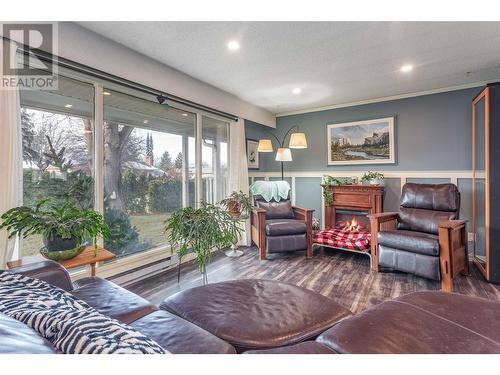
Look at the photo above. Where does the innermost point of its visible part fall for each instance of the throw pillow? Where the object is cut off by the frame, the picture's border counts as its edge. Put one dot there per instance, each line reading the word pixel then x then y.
pixel 70 324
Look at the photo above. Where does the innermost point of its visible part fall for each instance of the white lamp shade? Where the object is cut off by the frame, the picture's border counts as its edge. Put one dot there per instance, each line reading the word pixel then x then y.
pixel 298 140
pixel 284 154
pixel 265 145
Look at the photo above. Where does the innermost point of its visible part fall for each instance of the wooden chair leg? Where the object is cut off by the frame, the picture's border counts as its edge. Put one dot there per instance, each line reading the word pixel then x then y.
pixel 309 234
pixel 374 246
pixel 445 258
pixel 374 256
pixel 262 253
pixel 447 283
pixel 309 251
pixel 465 271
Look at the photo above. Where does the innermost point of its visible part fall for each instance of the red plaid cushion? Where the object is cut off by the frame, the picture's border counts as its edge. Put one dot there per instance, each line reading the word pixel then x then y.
pixel 337 237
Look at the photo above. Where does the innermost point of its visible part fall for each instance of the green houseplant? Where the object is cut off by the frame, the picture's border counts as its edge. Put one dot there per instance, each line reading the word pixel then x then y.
pixel 372 178
pixel 331 181
pixel 64 228
pixel 238 204
pixel 201 230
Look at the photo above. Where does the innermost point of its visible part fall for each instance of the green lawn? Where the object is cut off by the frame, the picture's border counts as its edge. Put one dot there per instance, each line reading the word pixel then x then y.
pixel 151 229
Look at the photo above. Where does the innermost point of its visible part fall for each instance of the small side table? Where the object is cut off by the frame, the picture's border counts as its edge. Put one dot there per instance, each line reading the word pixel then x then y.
pixel 84 259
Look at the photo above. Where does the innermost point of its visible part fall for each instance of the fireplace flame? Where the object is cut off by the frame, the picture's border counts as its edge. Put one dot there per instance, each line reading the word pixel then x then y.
pixel 353 226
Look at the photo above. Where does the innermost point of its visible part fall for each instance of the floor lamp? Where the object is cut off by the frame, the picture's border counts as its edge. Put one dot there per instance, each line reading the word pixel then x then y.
pixel 297 140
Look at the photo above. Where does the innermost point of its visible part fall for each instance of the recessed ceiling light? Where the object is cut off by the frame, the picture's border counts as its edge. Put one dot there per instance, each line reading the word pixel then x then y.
pixel 233 45
pixel 145 121
pixel 107 93
pixel 185 114
pixel 69 105
pixel 407 68
pixel 296 91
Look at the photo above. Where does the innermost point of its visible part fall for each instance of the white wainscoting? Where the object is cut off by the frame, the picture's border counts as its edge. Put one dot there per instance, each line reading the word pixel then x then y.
pixel 452 175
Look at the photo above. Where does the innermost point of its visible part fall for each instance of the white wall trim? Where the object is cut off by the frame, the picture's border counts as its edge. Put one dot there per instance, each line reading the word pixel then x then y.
pixel 387 98
pixel 403 176
pixel 451 174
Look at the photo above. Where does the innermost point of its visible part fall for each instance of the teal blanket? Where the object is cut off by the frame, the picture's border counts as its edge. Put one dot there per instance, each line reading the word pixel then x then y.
pixel 270 190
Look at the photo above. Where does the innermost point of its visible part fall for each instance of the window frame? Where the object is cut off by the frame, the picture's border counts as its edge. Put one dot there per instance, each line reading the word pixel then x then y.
pixel 159 253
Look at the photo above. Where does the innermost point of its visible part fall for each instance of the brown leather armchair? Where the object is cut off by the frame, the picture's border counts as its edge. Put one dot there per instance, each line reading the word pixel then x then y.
pixel 425 237
pixel 280 227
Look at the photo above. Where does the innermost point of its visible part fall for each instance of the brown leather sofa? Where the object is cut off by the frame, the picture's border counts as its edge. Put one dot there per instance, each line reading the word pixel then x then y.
pixel 422 322
pixel 425 237
pixel 417 323
pixel 280 227
pixel 170 331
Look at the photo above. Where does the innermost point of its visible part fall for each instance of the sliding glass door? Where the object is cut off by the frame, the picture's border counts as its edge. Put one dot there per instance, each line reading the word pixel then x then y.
pixel 149 169
pixel 120 152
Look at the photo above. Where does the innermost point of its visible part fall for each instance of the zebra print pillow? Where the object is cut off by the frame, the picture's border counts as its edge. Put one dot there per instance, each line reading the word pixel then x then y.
pixel 72 326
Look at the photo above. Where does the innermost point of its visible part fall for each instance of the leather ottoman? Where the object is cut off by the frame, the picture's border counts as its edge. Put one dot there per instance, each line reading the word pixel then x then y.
pixel 257 314
pixel 420 323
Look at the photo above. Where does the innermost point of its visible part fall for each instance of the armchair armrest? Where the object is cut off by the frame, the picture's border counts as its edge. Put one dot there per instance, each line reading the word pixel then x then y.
pixel 453 253
pixel 258 210
pixel 383 220
pixel 306 214
pixel 258 229
pixel 257 215
pixel 302 213
pixel 383 217
pixel 452 224
pixel 48 271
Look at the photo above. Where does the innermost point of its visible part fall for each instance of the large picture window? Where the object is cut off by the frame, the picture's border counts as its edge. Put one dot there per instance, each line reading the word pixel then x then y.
pixel 58 141
pixel 149 169
pixel 137 164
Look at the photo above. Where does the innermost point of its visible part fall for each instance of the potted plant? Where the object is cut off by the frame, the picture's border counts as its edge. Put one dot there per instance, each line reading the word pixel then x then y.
pixel 238 204
pixel 64 229
pixel 373 178
pixel 201 230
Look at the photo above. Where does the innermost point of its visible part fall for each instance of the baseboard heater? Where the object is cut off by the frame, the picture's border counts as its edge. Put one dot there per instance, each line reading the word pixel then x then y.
pixel 148 270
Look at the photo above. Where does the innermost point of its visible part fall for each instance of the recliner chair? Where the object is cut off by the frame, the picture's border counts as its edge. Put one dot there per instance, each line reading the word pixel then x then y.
pixel 280 227
pixel 425 237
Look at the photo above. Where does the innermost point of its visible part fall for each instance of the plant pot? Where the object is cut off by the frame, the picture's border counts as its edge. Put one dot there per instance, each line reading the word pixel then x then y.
pixel 56 243
pixel 235 214
pixel 375 182
pixel 234 210
pixel 62 255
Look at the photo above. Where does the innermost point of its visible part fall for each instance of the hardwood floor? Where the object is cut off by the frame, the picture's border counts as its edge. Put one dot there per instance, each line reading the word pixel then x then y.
pixel 342 276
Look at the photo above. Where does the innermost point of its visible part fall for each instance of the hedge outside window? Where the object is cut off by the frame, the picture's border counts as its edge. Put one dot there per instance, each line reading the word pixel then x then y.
pixel 58 139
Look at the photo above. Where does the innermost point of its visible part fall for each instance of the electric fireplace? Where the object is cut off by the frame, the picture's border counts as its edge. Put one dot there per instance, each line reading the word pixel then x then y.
pixel 346 223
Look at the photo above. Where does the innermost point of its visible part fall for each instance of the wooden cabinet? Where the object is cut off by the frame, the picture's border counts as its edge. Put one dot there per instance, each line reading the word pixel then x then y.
pixel 486 181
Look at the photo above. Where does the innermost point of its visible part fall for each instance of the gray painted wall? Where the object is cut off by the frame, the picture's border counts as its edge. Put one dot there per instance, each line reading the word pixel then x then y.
pixel 432 132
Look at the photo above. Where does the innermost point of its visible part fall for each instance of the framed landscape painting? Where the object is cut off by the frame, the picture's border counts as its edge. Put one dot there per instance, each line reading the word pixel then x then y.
pixel 252 154
pixel 361 142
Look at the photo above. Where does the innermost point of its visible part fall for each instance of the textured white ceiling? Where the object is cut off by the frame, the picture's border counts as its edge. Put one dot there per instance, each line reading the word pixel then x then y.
pixel 332 62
